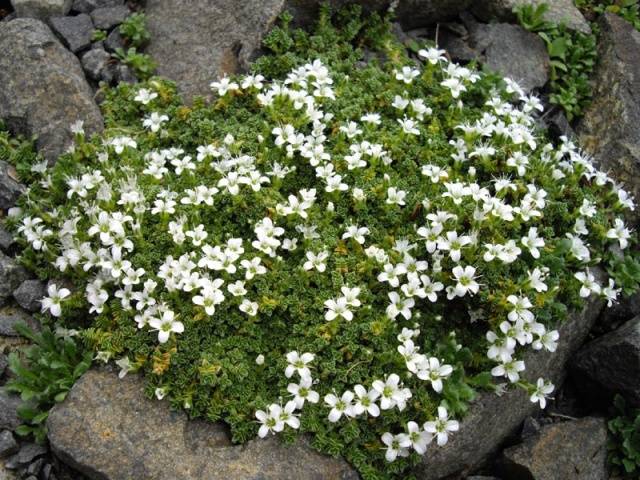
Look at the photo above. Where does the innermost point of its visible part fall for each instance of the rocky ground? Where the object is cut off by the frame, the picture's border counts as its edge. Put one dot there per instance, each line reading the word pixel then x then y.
pixel 50 70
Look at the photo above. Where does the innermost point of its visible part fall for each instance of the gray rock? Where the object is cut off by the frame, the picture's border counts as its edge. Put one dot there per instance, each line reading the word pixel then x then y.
pixel 481 477
pixel 9 404
pixel 9 316
pixel 41 9
pixel 418 13
pixel 491 420
pixel 7 242
pixel 560 11
pixel 34 468
pixel 29 452
pixel 105 18
pixel 207 40
pixel 11 276
pixel 75 32
pixel 107 430
pixel 29 294
pixel 8 444
pixel 114 40
pixel 609 129
pixel 43 89
pixel 512 52
pixel 457 48
pixel 96 63
pixel 4 363
pixel 125 74
pixel 574 450
pixel 611 364
pixel 618 313
pixel 86 6
pixel 10 188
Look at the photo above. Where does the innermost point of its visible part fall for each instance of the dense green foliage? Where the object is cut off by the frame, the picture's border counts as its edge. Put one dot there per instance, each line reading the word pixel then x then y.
pixel 624 445
pixel 134 30
pixel 44 372
pixel 210 368
pixel 573 56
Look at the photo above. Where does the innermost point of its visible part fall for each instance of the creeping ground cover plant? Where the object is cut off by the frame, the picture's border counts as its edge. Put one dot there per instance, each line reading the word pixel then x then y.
pixel 328 246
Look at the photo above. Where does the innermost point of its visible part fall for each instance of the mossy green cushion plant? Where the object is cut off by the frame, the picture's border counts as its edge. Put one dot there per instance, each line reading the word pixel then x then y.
pixel 329 246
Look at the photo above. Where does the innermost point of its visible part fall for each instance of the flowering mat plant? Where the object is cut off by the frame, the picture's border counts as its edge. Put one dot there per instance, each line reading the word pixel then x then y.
pixel 329 246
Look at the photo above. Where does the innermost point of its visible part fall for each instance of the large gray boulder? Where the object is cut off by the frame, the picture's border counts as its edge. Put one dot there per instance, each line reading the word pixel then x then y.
pixel 41 9
pixel 108 430
pixel 512 52
pixel 609 129
pixel 207 40
pixel 611 364
pixel 574 450
pixel 42 87
pixel 559 11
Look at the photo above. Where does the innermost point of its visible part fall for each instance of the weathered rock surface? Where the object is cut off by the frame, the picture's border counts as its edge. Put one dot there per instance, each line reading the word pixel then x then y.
pixel 11 276
pixel 492 419
pixel 96 63
pixel 611 364
pixel 107 430
pixel 41 9
pixel 559 11
pixel 513 52
pixel 10 316
pixel 106 18
pixel 418 13
pixel 574 450
pixel 29 294
pixel 207 40
pixel 86 6
pixel 75 32
pixel 9 404
pixel 7 242
pixel 10 188
pixel 8 444
pixel 609 129
pixel 42 87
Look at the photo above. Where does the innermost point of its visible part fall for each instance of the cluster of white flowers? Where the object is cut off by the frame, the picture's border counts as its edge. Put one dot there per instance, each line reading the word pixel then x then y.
pixel 431 265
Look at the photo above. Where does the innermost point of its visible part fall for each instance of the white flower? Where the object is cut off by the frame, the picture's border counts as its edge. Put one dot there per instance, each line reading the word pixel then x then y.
pixel 154 121
pixel 144 96
pixel 532 242
pixel 340 406
pixel 391 393
pixel 224 85
pixel 317 261
pixel 419 438
pixel 337 308
pixel 397 445
pixel 357 233
pixel 610 293
pixel 431 371
pixel 441 426
pixel 249 307
pixel 433 55
pixel 589 284
pixel 271 420
pixel 298 363
pixel 302 392
pixel 620 232
pixel 399 306
pixel 510 369
pixel 125 366
pixel 396 197
pixel 407 74
pixel 53 303
pixel 366 401
pixel 542 392
pixel 409 126
pixel 465 278
pixel 351 295
pixel 165 325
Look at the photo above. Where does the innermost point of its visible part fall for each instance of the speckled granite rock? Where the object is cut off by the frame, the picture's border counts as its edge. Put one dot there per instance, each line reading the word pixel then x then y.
pixel 207 40
pixel 609 129
pixel 574 450
pixel 41 9
pixel 107 430
pixel 43 87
